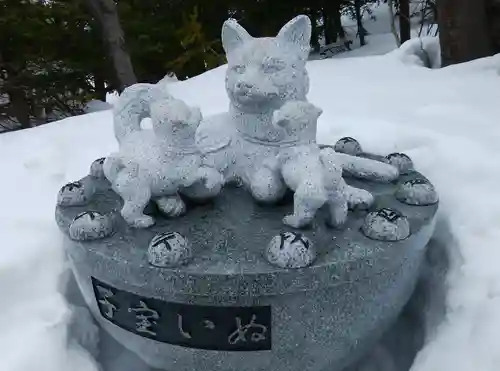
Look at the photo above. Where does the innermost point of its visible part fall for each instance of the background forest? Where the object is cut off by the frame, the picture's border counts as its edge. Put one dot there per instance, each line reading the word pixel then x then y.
pixel 57 55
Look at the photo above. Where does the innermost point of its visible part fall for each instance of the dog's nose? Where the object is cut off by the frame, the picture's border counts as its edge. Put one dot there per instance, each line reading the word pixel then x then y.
pixel 244 85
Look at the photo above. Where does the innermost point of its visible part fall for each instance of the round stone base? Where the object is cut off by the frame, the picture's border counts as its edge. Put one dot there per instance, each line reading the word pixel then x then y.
pixel 228 308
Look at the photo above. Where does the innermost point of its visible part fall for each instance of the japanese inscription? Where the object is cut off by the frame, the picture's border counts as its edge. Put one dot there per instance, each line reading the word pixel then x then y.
pixel 146 318
pixel 107 308
pixel 240 334
pixel 192 326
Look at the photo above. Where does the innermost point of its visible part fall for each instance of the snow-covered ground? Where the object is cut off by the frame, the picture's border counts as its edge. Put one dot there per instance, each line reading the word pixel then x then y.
pixel 447 120
pixel 379 40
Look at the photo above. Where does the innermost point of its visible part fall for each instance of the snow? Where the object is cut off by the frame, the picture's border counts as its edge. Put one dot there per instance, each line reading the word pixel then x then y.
pixel 96 105
pixel 447 120
pixel 379 40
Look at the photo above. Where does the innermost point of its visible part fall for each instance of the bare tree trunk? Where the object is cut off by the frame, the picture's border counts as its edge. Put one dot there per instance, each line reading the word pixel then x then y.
pixel 314 30
pixel 359 21
pixel 100 86
pixel 393 22
pixel 106 13
pixel 404 20
pixel 463 30
pixel 326 26
pixel 331 20
pixel 19 107
pixel 337 22
pixel 493 15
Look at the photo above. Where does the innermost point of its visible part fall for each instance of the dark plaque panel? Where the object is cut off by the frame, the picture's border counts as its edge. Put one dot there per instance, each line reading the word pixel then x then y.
pixel 192 326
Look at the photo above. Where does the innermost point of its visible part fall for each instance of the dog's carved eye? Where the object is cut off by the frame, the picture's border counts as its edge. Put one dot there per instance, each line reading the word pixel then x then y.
pixel 239 68
pixel 273 65
pixel 179 123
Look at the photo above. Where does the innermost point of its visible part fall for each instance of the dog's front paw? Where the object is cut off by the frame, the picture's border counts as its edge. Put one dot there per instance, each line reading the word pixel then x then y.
pixel 296 221
pixel 171 206
pixel 267 186
pixel 337 220
pixel 213 181
pixel 144 221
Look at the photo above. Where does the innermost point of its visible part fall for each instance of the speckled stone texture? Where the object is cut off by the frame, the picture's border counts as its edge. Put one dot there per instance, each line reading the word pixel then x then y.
pixel 156 164
pixel 267 139
pixel 90 225
pixel 291 250
pixel 169 249
pixel 324 317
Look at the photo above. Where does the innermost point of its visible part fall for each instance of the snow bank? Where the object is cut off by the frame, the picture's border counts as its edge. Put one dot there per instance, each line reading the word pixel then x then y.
pixel 445 119
pixel 33 313
pixel 96 105
pixel 168 79
pixel 423 51
pixel 380 39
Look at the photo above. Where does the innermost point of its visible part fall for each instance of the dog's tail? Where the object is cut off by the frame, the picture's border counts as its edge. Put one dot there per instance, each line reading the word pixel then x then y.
pixel 333 165
pixel 362 168
pixel 133 105
pixel 358 198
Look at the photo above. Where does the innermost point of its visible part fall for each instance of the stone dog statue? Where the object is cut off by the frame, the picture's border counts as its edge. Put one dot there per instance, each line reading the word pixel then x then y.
pixel 263 74
pixel 157 164
pixel 266 141
pixel 311 173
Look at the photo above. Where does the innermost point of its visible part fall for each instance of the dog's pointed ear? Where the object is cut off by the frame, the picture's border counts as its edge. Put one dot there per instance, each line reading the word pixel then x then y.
pixel 298 31
pixel 318 111
pixel 196 116
pixel 278 120
pixel 233 35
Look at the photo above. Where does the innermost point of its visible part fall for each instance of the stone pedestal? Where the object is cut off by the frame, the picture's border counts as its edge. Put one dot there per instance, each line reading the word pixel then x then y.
pixel 228 308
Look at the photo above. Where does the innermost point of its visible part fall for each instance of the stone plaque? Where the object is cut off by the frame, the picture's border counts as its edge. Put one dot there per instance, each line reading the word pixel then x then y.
pixel 192 326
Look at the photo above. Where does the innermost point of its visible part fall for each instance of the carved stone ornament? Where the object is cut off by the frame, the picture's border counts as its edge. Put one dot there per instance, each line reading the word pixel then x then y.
pixel 266 141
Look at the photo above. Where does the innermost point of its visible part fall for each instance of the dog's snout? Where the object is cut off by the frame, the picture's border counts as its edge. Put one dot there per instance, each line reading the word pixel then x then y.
pixel 244 85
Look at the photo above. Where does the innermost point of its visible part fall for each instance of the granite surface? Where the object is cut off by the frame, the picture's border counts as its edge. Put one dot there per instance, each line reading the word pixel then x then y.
pixel 396 351
pixel 324 317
